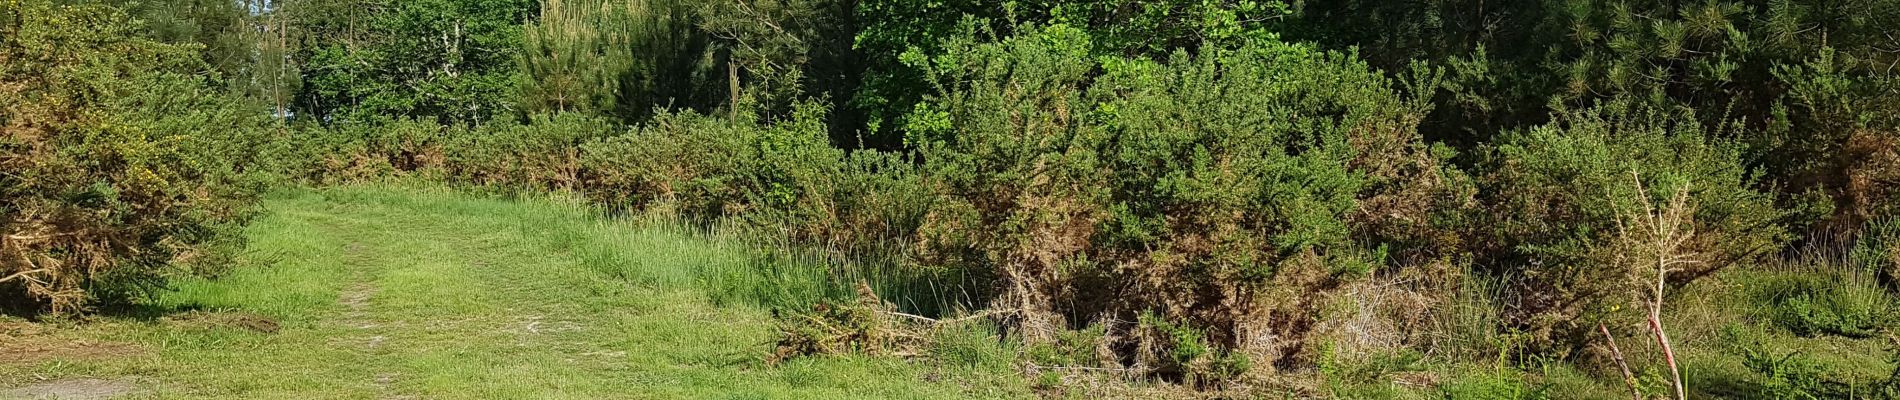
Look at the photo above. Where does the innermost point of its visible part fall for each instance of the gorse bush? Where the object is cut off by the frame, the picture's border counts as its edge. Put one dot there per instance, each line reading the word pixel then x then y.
pixel 1010 159
pixel 1219 192
pixel 1839 131
pixel 712 166
pixel 1810 80
pixel 1553 196
pixel 117 158
pixel 1163 187
pixel 542 154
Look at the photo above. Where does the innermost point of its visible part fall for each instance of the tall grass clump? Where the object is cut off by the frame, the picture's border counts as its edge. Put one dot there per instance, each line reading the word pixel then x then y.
pixel 1823 296
pixel 1878 250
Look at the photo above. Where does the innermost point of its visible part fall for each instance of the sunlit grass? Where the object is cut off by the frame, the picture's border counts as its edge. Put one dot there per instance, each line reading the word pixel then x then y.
pixel 392 290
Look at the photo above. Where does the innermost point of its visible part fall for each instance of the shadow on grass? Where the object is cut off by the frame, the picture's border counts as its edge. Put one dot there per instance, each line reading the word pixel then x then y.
pixel 141 312
pixel 148 312
pixel 1726 384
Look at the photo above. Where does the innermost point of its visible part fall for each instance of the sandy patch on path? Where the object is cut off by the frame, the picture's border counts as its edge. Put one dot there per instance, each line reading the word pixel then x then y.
pixel 74 389
pixel 27 343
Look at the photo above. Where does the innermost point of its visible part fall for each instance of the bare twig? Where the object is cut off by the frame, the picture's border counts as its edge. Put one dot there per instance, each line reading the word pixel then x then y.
pixel 1035 366
pixel 1662 232
pixel 1629 379
pixel 1669 354
pixel 39 237
pixel 22 274
pixel 913 316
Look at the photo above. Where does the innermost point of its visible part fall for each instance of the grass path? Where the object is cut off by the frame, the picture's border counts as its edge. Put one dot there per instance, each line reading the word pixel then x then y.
pixel 393 292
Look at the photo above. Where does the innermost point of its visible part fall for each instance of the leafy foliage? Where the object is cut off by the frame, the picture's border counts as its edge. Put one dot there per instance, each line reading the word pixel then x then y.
pixel 1218 191
pixel 1809 82
pixel 1553 193
pixel 712 166
pixel 451 61
pixel 894 29
pixel 1162 186
pixel 117 158
pixel 616 58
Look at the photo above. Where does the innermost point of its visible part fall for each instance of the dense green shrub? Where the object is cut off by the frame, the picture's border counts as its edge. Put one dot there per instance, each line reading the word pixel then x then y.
pixel 712 166
pixel 1812 81
pixel 889 29
pixel 362 150
pixel 116 158
pixel 782 176
pixel 1222 192
pixel 1555 195
pixel 436 60
pixel 620 58
pixel 1837 130
pixel 544 153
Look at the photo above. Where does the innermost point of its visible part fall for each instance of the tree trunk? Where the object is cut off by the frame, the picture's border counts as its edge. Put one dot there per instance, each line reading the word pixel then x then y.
pixel 732 85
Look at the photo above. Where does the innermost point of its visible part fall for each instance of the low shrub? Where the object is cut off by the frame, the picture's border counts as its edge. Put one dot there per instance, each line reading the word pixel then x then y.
pixel 116 156
pixel 1072 348
pixel 363 149
pixel 1225 193
pixel 1172 349
pixel 542 154
pixel 712 166
pixel 1555 197
pixel 862 326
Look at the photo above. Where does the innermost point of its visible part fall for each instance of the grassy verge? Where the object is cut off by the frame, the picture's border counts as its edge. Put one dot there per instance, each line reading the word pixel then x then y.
pixel 384 291
pixel 410 290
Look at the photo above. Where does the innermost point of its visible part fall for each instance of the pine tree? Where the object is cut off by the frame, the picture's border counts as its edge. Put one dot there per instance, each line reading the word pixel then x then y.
pixel 613 57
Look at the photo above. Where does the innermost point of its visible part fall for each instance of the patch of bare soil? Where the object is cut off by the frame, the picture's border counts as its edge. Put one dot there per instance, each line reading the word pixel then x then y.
pixel 535 325
pixel 26 343
pixel 74 389
pixel 355 301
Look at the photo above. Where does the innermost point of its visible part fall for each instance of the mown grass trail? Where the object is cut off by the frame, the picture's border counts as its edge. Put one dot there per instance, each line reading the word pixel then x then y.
pixel 414 291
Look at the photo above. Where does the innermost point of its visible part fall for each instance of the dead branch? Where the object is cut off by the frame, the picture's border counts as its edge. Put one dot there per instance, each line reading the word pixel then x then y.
pixel 22 274
pixel 1629 379
pixel 1662 233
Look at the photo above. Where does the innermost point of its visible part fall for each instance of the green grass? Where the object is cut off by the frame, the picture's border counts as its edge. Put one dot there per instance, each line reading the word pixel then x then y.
pixel 412 290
